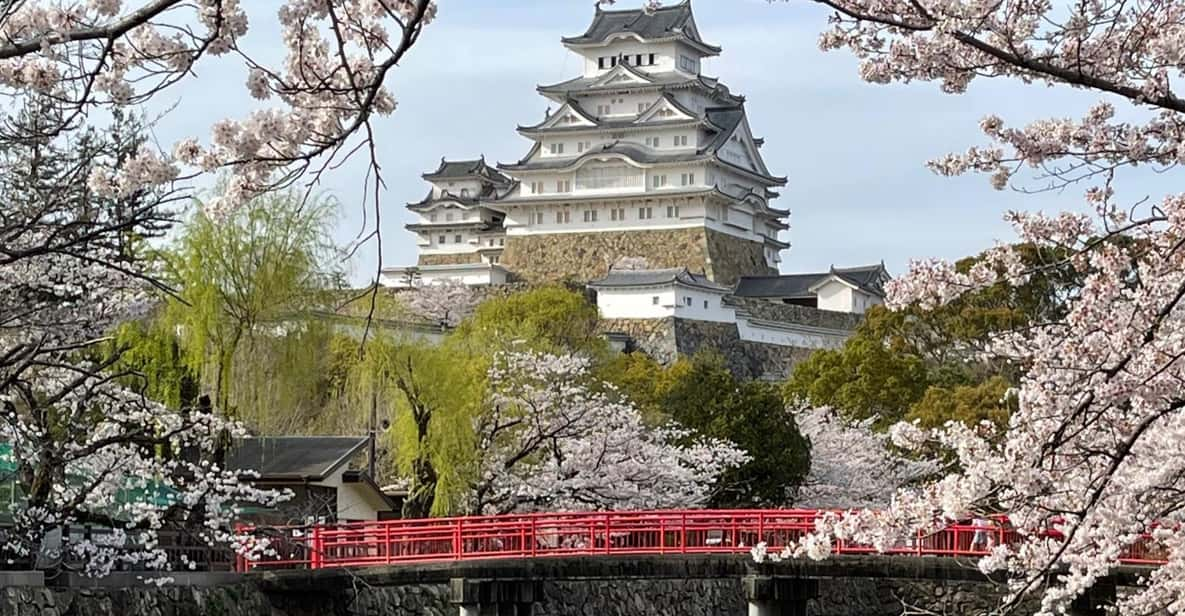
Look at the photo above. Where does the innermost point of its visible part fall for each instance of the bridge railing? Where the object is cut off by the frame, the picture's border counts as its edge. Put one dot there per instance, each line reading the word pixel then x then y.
pixel 590 534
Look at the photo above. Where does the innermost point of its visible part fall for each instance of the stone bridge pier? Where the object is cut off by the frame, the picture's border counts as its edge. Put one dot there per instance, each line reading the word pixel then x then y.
pixel 776 596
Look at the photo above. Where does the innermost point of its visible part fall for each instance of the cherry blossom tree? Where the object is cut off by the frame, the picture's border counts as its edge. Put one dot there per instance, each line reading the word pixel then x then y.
pixel 445 302
pixel 88 447
pixel 1094 449
pixel 852 466
pixel 557 440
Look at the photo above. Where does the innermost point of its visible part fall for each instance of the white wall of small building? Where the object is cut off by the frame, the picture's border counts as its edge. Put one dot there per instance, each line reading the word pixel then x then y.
pixel 837 296
pixel 834 295
pixel 701 305
pixel 688 303
pixel 637 303
pixel 352 500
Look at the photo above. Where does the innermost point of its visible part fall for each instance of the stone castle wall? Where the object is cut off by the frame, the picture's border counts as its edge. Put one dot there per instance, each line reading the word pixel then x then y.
pixel 746 359
pixel 690 596
pixel 665 340
pixel 588 256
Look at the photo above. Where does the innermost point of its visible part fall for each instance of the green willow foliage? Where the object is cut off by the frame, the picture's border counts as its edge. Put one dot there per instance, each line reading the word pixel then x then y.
pixel 242 319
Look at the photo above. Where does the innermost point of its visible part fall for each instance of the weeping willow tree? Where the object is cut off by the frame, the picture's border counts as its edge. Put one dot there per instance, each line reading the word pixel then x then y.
pixel 246 285
pixel 430 395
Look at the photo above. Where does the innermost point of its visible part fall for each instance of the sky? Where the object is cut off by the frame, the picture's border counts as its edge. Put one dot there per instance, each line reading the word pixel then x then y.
pixel 854 153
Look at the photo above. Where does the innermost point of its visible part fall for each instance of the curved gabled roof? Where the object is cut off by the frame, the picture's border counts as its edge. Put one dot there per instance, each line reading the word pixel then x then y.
pixel 675 21
pixel 462 169
pixel 664 80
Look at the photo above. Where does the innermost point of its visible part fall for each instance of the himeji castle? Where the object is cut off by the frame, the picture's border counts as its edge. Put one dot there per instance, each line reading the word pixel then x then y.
pixel 645 182
pixel 641 155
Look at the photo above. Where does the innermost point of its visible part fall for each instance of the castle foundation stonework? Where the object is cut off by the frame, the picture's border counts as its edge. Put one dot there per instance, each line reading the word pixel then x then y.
pixel 586 256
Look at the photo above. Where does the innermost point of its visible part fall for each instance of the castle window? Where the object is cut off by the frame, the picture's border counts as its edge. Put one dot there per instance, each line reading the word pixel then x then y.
pixel 603 109
pixel 645 213
pixel 654 300
pixel 557 148
pixel 617 213
pixel 687 301
pixel 563 217
pixel 638 60
pixel 705 304
pixel 641 107
pixel 432 217
pixel 442 239
pixel 651 59
pixel 538 220
pixel 681 140
pixel 613 61
pixel 658 181
pixel 604 177
pixel 501 241
pixel 653 141
pixel 601 62
pixel 672 211
pixel 686 63
pixel 687 179
pixel 457 239
pixel 563 186
pixel 448 216
pixel 536 188
pixel 590 215
pixel 464 193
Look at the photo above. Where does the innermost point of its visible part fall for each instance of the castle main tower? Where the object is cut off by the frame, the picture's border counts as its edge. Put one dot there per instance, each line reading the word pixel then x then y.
pixel 640 156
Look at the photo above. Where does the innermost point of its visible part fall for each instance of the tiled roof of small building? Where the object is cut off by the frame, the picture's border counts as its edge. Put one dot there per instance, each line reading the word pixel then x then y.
pixel 652 277
pixel 310 458
pixel 870 278
pixel 661 23
pixel 788 285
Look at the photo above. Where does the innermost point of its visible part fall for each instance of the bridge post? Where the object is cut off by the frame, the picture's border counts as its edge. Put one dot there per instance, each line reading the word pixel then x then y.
pixel 494 597
pixel 778 596
pixel 1095 600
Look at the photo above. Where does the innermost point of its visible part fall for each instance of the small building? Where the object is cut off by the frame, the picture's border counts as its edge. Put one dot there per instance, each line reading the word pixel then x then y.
pixel 849 289
pixel 317 471
pixel 656 294
pixel 682 295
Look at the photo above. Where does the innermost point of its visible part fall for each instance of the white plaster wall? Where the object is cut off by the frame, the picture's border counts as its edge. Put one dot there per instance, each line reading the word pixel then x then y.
pixel 479 274
pixel 636 303
pixel 519 220
pixel 455 186
pixel 450 246
pixel 835 296
pixel 663 62
pixel 715 310
pixel 787 337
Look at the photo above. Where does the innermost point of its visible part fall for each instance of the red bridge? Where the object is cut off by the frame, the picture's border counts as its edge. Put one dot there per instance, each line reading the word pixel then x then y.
pixel 595 534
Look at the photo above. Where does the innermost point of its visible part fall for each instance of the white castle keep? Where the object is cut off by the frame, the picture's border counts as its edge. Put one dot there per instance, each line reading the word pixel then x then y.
pixel 640 158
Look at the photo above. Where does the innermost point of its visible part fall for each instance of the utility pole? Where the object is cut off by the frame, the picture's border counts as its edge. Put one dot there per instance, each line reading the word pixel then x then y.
pixel 374 430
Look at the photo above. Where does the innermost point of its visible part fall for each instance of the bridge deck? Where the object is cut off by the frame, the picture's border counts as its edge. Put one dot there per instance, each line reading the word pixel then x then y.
pixel 633 533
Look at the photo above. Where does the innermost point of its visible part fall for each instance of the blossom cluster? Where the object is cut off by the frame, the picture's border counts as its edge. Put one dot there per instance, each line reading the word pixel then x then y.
pixel 559 440
pixel 324 91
